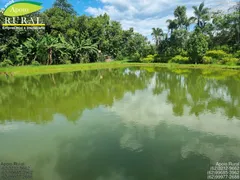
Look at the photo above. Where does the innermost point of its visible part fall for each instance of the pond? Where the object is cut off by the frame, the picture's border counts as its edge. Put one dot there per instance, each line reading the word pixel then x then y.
pixel 120 124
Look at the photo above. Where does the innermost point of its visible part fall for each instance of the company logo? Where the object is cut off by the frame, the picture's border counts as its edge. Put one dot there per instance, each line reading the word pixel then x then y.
pixel 21 8
pixel 15 12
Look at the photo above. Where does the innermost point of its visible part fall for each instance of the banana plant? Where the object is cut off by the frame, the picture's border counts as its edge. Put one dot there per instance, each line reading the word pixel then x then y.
pixel 82 49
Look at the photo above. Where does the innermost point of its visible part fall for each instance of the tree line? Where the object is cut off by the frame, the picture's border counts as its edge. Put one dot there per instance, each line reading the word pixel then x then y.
pixel 208 37
pixel 69 38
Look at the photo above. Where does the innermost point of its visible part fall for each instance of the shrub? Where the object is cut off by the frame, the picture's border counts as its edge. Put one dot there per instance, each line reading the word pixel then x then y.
pixel 68 62
pixel 157 58
pixel 6 63
pixel 35 63
pixel 184 53
pixel 237 54
pixel 119 57
pixel 136 57
pixel 101 58
pixel 83 59
pixel 238 63
pixel 225 48
pixel 148 59
pixel 207 60
pixel 164 59
pixel 229 61
pixel 179 59
pixel 217 54
pixel 65 61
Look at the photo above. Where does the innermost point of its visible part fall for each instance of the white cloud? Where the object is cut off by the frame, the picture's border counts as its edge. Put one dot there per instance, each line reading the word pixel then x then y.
pixel 152 110
pixel 95 11
pixel 143 15
pixel 149 111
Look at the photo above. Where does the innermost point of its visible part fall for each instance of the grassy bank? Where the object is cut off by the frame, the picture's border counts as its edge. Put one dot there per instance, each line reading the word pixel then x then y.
pixel 34 70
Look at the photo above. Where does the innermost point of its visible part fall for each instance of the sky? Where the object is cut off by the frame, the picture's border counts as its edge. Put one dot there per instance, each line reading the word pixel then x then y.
pixel 142 15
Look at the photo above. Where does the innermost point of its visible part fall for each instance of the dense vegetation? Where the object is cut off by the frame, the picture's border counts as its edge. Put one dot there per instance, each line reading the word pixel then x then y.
pixel 69 38
pixel 215 37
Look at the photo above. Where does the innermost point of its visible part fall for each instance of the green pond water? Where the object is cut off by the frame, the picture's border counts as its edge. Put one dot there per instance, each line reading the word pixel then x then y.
pixel 120 124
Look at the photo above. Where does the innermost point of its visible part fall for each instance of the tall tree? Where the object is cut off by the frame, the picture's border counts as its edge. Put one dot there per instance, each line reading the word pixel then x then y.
pixel 172 24
pixel 188 22
pixel 180 15
pixel 197 46
pixel 157 34
pixel 202 15
pixel 64 6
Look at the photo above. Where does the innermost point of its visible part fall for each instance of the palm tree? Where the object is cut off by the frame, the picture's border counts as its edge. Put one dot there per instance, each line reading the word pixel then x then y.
pixel 201 15
pixel 157 33
pixel 180 14
pixel 172 24
pixel 188 22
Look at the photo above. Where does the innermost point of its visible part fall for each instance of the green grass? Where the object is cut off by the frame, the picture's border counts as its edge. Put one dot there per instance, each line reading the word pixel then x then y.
pixel 34 70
